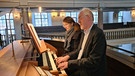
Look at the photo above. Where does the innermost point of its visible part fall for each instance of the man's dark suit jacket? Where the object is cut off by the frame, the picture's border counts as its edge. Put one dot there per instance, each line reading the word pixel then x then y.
pixel 93 61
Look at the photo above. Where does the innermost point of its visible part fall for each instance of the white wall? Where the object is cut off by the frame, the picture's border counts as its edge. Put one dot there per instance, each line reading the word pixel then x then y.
pixel 110 17
pixel 127 16
pixel 56 21
pixel 105 17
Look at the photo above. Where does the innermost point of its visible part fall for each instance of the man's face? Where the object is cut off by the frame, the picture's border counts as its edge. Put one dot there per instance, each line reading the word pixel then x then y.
pixel 82 21
pixel 85 21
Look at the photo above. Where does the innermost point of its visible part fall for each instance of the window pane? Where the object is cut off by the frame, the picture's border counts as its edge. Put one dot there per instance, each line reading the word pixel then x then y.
pixel 2 32
pixel 41 19
pixel 2 17
pixel 37 15
pixel 38 22
pixel 10 24
pixel 44 22
pixel 44 15
pixel 73 14
pixel 67 13
pixel 120 16
pixel 13 32
pixel 95 14
pixel 2 24
pixel 7 16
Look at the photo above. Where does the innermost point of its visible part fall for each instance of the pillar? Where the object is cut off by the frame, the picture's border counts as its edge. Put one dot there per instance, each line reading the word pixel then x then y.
pixel 17 23
pixel 25 20
pixel 115 16
pixel 100 17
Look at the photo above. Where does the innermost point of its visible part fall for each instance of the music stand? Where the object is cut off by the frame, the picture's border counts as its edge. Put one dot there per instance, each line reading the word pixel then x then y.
pixel 39 44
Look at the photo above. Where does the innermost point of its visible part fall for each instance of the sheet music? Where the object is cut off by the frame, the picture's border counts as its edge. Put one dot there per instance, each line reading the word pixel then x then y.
pixel 34 34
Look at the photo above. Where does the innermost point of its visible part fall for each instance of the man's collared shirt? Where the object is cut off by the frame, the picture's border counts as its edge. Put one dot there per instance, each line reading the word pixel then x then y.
pixel 86 34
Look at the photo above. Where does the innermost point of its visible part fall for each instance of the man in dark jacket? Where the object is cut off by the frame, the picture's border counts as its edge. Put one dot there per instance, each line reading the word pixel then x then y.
pixel 90 57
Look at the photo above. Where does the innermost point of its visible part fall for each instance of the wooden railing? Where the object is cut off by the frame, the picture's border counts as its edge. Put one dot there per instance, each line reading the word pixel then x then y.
pixel 110 34
pixel 119 33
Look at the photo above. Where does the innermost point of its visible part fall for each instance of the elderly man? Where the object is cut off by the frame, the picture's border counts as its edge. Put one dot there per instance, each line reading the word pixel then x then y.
pixel 90 57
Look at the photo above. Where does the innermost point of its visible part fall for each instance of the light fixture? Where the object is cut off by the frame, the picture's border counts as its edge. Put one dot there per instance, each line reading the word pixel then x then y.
pixel 29 12
pixel 40 9
pixel 133 13
pixel 62 14
pixel 54 14
pixel 16 14
pixel 58 13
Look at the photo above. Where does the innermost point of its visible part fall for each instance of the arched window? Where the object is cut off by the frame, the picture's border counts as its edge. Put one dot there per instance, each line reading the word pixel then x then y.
pixel 5 29
pixel 120 16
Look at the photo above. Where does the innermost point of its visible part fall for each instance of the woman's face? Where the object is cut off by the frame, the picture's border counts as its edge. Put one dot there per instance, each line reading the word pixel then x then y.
pixel 67 26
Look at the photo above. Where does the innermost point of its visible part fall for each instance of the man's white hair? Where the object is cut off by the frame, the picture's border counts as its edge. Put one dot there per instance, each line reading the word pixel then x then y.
pixel 87 11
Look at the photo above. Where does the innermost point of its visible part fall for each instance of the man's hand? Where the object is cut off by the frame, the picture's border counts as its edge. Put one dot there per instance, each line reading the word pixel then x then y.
pixel 63 65
pixel 61 59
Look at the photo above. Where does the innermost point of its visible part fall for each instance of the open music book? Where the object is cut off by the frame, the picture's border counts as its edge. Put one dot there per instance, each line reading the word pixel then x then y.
pixel 39 44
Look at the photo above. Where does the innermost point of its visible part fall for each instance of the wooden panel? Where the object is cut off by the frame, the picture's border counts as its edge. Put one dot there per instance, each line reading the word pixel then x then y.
pixel 116 68
pixel 31 71
pixel 119 65
pixel 58 45
pixel 10 65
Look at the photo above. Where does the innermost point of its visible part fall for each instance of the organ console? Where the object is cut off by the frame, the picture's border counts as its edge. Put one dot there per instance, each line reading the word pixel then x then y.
pixel 49 55
pixel 21 66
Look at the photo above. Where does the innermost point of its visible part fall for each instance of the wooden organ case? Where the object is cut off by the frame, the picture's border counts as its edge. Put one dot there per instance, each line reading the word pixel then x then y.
pixel 19 66
pixel 48 53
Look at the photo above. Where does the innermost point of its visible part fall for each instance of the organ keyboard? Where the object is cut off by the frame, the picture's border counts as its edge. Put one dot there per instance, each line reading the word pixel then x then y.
pixel 49 56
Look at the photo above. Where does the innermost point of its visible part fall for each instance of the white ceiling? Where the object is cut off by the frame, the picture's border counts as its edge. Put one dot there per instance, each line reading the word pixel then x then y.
pixel 107 5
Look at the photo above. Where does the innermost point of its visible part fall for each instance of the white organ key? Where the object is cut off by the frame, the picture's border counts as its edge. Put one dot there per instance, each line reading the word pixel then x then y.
pixel 44 59
pixel 62 71
pixel 51 60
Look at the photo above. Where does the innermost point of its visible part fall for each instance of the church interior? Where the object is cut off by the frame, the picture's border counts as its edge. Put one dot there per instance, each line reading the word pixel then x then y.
pixel 29 27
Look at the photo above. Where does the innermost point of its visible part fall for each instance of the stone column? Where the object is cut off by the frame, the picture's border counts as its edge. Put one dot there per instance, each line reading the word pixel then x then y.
pixel 100 17
pixel 17 24
pixel 115 16
pixel 25 20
